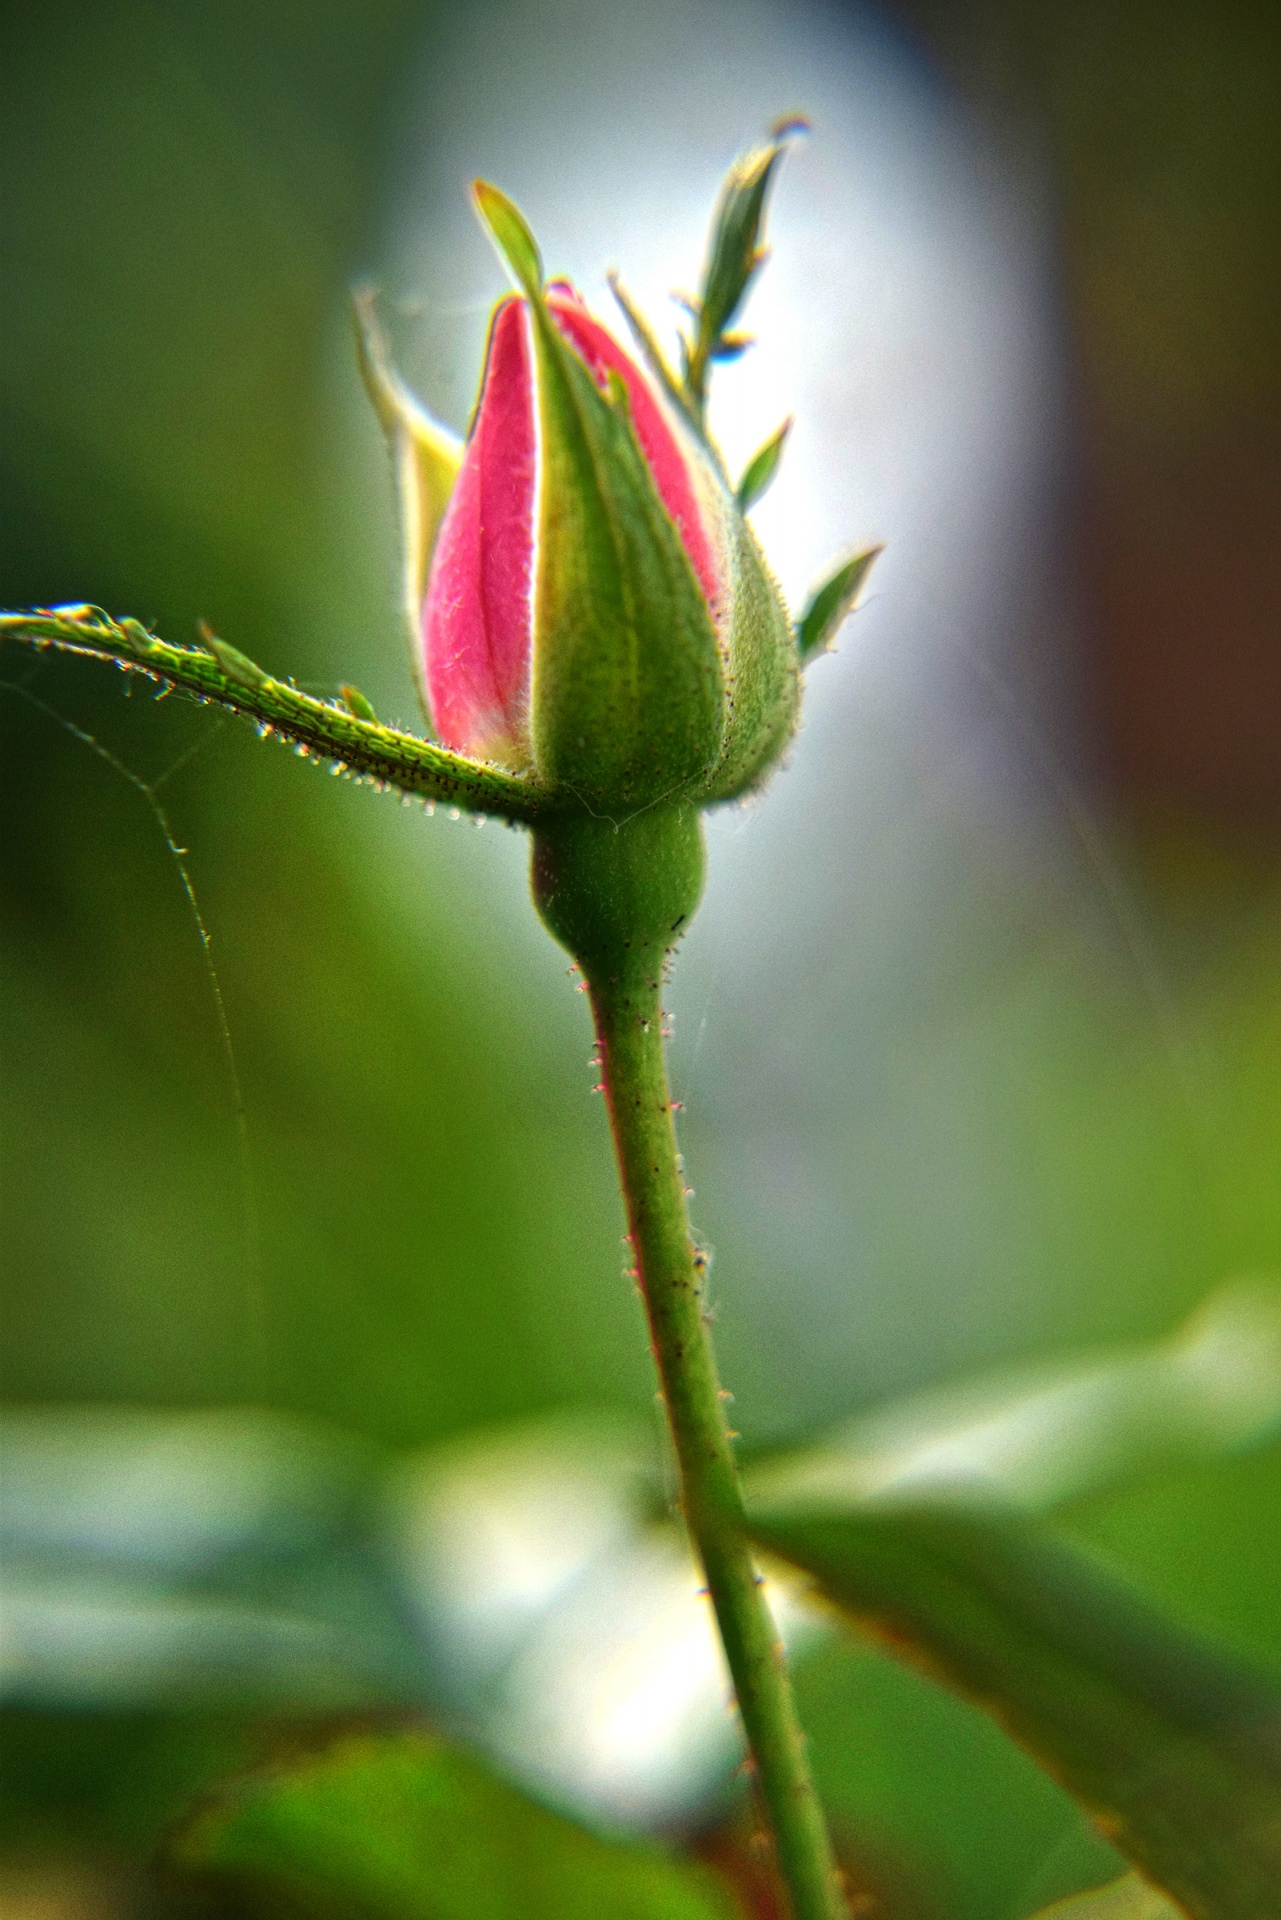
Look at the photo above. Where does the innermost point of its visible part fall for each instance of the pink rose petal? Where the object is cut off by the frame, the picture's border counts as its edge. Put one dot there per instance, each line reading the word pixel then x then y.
pixel 478 614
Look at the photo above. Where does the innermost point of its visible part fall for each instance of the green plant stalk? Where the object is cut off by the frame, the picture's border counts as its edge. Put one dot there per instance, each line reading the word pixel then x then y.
pixel 671 1275
pixel 329 731
pixel 618 896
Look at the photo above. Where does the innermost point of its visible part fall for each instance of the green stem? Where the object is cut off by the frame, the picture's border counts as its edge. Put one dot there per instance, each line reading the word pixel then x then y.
pixel 619 895
pixel 329 730
pixel 628 1025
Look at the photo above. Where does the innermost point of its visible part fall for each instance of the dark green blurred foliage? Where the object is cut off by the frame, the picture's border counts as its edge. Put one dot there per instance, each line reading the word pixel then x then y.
pixel 110 1784
pixel 189 191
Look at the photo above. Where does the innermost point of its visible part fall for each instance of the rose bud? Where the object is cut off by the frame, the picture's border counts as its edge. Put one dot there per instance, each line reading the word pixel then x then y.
pixel 597 615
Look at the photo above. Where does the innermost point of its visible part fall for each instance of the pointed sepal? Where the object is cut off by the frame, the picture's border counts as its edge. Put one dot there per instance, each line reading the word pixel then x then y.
pixel 628 703
pixel 653 356
pixel 735 256
pixel 426 461
pixel 761 468
pixel 510 232
pixel 831 605
pixel 762 677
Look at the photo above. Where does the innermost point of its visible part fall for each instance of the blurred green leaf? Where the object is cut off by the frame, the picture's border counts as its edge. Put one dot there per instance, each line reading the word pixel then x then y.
pixel 402 1826
pixel 1129 1898
pixel 1066 1429
pixel 1172 1744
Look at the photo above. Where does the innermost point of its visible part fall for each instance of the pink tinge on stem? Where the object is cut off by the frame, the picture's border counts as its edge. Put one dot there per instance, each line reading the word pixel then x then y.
pixel 667 462
pixel 478 614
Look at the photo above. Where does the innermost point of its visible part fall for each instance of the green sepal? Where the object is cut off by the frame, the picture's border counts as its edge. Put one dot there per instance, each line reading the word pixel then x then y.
pixel 734 258
pixel 627 704
pixel 426 459
pixel 832 603
pixel 655 359
pixel 322 730
pixel 762 677
pixel 510 232
pixel 761 468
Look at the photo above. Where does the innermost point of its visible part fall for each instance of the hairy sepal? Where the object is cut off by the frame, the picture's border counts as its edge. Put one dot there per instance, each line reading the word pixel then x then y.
pixel 628 702
pixel 759 662
pixel 641 691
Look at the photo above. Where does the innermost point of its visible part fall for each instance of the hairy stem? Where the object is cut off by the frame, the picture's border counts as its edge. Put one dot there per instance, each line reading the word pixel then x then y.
pixel 329 730
pixel 629 1028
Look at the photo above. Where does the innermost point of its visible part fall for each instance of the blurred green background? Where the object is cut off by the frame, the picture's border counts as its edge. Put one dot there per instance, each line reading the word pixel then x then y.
pixel 1017 1056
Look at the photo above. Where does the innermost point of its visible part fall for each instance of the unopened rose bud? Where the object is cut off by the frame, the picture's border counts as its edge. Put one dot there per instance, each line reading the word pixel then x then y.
pixel 597 614
pixel 592 621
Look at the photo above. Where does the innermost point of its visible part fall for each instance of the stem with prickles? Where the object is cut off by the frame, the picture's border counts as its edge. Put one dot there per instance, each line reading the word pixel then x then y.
pixel 619 898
